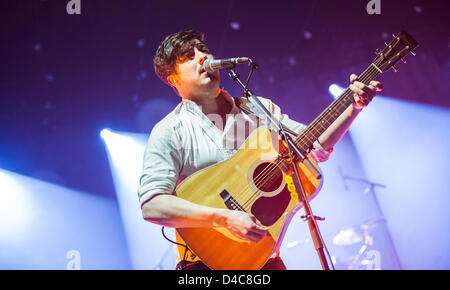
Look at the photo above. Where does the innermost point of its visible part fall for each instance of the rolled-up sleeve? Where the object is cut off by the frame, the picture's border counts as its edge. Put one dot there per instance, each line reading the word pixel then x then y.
pixel 161 165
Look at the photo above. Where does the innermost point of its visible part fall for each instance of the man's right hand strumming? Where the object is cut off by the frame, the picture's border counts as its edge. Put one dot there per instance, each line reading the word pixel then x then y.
pixel 175 212
pixel 245 226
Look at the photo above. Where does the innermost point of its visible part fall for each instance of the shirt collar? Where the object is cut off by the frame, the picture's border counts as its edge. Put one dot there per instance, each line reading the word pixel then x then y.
pixel 194 107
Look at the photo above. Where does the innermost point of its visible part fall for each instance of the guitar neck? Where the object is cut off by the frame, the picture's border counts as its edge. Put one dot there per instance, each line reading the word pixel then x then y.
pixel 306 139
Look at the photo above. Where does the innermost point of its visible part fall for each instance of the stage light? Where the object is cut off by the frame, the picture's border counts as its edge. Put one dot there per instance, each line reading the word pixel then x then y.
pixel 40 222
pixel 122 149
pixel 15 211
pixel 404 145
pixel 335 90
pixel 125 153
pixel 104 133
pixel 307 34
pixel 37 46
pixel 235 25
pixel 141 42
pixel 292 61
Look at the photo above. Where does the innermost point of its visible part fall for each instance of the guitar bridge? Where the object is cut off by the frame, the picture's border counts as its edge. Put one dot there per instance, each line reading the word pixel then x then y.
pixel 230 202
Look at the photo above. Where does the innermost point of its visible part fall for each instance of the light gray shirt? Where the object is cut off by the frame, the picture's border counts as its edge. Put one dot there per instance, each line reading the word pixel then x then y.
pixel 187 140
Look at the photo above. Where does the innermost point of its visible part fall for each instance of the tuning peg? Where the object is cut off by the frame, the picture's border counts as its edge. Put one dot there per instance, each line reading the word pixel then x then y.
pixel 394 35
pixel 412 52
pixel 395 68
pixel 404 60
pixel 377 51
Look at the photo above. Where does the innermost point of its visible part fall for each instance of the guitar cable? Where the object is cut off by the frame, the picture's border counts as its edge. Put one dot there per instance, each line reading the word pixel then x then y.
pixel 173 242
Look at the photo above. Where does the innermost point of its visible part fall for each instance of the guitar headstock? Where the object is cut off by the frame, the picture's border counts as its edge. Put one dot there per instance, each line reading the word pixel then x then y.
pixel 396 50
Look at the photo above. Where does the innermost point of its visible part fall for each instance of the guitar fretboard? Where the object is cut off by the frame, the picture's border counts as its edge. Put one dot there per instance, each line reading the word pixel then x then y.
pixel 306 139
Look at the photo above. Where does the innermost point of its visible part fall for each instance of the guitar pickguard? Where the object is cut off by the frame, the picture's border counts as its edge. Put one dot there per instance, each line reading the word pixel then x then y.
pixel 266 209
pixel 269 209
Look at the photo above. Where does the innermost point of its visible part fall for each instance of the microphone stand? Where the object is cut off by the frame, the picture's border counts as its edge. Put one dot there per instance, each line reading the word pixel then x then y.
pixel 275 124
pixel 371 189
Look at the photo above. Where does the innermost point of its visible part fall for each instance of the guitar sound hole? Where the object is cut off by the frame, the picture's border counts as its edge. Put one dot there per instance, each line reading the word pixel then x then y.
pixel 267 177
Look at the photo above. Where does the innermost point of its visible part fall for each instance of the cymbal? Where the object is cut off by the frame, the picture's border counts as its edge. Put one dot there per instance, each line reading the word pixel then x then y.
pixel 354 235
pixel 347 237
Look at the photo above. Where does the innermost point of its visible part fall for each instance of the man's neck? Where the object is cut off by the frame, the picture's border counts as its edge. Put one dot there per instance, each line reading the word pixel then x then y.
pixel 214 105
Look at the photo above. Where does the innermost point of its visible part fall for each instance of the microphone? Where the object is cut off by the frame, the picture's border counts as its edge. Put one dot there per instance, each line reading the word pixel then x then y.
pixel 210 65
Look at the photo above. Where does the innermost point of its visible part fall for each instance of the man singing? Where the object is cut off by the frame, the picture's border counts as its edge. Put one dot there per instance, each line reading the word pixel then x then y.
pixel 203 124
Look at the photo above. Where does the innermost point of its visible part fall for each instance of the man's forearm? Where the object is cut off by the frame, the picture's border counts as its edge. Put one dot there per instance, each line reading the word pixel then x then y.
pixel 339 127
pixel 172 211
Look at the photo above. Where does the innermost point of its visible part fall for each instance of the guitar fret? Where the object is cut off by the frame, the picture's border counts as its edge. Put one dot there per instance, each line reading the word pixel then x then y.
pixel 321 124
pixel 377 68
pixel 317 131
pixel 306 140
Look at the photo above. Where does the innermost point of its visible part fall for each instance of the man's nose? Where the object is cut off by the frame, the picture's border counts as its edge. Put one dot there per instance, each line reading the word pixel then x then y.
pixel 202 60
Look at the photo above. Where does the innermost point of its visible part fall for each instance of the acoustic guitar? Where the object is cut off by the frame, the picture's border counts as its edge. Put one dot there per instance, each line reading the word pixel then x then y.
pixel 257 179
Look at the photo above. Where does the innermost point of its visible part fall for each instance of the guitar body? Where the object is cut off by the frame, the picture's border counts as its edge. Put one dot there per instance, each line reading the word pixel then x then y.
pixel 250 181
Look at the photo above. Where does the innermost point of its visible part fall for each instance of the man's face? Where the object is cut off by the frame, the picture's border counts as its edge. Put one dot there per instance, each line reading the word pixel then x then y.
pixel 191 80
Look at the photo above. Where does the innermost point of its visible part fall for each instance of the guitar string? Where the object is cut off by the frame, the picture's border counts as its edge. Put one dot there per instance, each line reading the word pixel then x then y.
pixel 268 172
pixel 371 73
pixel 268 176
pixel 271 169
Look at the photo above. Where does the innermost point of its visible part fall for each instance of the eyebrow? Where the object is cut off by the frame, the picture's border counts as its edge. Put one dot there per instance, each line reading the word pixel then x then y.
pixel 190 46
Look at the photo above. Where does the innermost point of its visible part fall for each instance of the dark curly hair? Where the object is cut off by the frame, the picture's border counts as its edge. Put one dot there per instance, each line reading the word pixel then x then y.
pixel 175 47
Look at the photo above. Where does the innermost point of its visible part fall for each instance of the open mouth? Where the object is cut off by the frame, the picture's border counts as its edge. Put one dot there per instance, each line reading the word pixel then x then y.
pixel 203 72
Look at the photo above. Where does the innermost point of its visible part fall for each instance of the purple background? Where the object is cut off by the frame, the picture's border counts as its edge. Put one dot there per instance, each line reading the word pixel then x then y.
pixel 63 78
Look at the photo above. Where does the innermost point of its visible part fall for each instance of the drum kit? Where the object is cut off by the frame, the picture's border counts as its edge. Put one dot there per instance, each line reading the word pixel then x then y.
pixel 353 248
pixel 359 247
pixel 356 247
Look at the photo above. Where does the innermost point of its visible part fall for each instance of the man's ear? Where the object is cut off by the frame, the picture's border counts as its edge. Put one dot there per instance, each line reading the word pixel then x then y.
pixel 172 80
